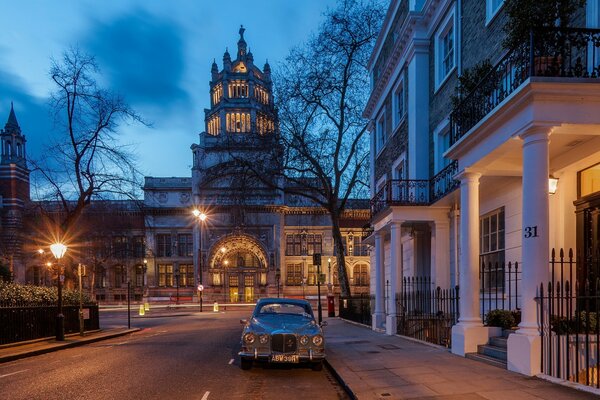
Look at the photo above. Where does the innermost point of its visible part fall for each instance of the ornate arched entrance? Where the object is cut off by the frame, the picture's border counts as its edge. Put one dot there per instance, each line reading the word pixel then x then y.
pixel 238 262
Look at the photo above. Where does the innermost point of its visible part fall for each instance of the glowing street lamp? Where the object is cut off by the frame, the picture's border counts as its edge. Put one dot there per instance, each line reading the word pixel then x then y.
pixel 202 218
pixel 59 250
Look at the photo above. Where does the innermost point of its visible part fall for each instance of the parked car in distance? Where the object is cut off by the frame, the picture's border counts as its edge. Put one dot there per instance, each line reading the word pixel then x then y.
pixel 283 331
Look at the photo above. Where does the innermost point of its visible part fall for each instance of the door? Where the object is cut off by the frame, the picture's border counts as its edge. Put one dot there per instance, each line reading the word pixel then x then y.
pixel 249 281
pixel 233 288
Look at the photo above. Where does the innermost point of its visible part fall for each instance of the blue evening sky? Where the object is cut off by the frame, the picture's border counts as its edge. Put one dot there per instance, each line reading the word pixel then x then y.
pixel 156 53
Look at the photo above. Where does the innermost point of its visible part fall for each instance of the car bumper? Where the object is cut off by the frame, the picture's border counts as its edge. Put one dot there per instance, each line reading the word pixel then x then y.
pixel 260 356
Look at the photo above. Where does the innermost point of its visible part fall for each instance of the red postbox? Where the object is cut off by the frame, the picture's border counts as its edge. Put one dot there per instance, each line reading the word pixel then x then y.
pixel 330 305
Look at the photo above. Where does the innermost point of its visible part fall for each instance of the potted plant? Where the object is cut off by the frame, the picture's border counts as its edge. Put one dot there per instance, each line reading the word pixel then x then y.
pixel 504 319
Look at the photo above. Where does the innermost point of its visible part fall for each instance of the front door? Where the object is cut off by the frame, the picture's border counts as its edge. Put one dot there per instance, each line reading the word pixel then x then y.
pixel 233 288
pixel 249 281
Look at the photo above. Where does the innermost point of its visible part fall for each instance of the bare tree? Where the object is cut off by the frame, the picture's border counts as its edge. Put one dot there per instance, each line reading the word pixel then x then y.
pixel 321 92
pixel 85 160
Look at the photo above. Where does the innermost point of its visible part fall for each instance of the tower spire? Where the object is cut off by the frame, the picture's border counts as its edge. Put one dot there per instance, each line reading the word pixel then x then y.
pixel 12 124
pixel 241 44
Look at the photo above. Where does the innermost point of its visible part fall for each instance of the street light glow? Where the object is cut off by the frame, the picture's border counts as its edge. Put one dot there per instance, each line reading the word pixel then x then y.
pixel 58 250
pixel 198 214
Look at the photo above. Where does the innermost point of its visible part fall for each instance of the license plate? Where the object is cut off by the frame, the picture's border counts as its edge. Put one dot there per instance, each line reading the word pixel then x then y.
pixel 285 358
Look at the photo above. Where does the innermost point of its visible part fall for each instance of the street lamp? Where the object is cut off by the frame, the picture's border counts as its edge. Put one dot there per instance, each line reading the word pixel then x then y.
pixel 59 250
pixel 202 217
pixel 329 269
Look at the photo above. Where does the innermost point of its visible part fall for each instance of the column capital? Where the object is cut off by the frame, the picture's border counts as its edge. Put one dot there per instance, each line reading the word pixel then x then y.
pixel 468 175
pixel 396 224
pixel 535 133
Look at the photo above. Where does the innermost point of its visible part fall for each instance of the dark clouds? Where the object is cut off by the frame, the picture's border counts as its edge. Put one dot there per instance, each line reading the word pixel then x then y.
pixel 144 57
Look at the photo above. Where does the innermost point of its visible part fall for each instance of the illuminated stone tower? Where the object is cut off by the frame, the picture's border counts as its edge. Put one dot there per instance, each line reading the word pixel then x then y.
pixel 14 191
pixel 241 123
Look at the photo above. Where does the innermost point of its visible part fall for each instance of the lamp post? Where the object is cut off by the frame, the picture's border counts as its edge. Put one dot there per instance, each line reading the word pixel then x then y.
pixel 329 280
pixel 202 217
pixel 58 251
pixel 277 277
pixel 177 283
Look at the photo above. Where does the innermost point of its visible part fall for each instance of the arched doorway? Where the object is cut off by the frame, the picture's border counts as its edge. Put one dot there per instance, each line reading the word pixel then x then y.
pixel 239 263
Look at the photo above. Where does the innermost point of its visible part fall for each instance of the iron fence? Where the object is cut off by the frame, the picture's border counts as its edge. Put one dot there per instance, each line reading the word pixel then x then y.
pixel 357 308
pixel 425 313
pixel 570 329
pixel 550 52
pixel 28 322
pixel 499 284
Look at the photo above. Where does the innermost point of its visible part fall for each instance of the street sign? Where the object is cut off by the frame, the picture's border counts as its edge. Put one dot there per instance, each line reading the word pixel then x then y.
pixel 317 259
pixel 200 288
pixel 62 279
pixel 86 313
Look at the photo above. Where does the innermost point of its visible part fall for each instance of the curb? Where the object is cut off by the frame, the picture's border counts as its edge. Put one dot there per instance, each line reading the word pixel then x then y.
pixel 50 349
pixel 339 379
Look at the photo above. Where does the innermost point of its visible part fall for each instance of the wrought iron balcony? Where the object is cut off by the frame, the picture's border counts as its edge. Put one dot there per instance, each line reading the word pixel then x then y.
pixel 416 192
pixel 558 52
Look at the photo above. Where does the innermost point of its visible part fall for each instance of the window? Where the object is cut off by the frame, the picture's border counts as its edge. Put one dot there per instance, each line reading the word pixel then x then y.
pixel 238 122
pixel 238 89
pixel 293 275
pixel 185 245
pixel 213 125
pixel 119 246
pixel 442 144
pixel 217 93
pixel 361 275
pixel 491 9
pixel 445 53
pixel 302 244
pixel 120 275
pixel 163 245
pixel 139 275
pixel 186 275
pixel 399 104
pixel 312 275
pixel 100 277
pixel 139 247
pixel 344 243
pixel 165 275
pixel 491 249
pixel 380 133
pixel 216 278
pixel 360 249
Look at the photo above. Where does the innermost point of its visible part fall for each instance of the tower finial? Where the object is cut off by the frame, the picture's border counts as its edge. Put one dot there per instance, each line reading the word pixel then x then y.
pixel 242 30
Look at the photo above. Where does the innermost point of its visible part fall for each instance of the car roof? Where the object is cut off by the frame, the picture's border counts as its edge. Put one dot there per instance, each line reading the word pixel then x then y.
pixel 269 300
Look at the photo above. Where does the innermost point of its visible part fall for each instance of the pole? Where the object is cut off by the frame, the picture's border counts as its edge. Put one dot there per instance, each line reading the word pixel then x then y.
pixel 60 318
pixel 80 273
pixel 177 277
pixel 319 307
pixel 128 305
pixel 200 262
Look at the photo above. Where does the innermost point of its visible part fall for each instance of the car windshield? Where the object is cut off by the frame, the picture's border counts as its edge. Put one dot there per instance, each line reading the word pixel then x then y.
pixel 284 308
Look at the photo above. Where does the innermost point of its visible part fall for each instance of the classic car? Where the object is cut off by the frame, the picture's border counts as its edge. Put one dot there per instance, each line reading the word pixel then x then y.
pixel 282 331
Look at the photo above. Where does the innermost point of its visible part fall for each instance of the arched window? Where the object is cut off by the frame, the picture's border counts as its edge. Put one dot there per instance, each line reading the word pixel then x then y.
pixel 19 150
pixel 361 275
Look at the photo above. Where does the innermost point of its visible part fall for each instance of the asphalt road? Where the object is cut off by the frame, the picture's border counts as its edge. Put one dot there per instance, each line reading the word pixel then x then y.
pixel 191 356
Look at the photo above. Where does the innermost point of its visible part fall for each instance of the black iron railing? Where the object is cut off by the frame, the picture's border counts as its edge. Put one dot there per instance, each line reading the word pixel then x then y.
pixel 569 312
pixel 560 52
pixel 499 284
pixel 357 308
pixel 416 192
pixel 425 313
pixel 27 322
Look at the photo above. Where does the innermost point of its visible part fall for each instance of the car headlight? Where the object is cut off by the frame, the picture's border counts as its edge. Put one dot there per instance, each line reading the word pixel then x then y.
pixel 317 340
pixel 249 338
pixel 304 340
pixel 263 339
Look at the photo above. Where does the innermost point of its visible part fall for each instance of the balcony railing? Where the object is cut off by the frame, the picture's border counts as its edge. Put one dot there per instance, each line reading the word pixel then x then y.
pixel 559 52
pixel 416 192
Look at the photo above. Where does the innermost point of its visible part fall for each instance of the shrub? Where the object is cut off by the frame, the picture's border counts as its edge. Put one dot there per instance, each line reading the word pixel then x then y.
pixel 501 318
pixel 16 294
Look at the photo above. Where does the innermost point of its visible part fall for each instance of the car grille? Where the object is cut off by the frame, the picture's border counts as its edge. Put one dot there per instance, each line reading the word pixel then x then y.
pixel 284 343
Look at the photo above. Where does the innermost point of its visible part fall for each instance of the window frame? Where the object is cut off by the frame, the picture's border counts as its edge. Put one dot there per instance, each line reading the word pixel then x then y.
pixel 449 23
pixel 380 135
pixel 490 12
pixel 396 118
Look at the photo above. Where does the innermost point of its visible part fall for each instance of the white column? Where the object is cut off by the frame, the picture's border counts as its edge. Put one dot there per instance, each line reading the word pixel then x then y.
pixel 524 349
pixel 418 109
pixel 440 254
pixel 469 332
pixel 391 319
pixel 379 315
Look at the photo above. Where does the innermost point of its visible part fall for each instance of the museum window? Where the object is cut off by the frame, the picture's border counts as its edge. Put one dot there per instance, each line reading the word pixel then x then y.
pixel 100 277
pixel 120 246
pixel 139 246
pixel 238 89
pixel 120 275
pixel 163 245
pixel 217 93
pixel 165 275
pixel 491 245
pixel 213 126
pixel 139 275
pixel 186 275
pixel 311 278
pixel 238 122
pixel 261 94
pixel 361 275
pixel 293 275
pixel 185 245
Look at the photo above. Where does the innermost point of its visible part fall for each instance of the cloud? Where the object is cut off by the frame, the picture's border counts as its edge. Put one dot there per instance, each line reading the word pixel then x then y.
pixel 144 57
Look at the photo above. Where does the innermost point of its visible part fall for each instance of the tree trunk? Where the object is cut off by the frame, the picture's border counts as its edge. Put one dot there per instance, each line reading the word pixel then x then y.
pixel 344 282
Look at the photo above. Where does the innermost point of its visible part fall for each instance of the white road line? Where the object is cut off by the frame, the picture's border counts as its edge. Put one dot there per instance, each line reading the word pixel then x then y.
pixel 14 373
pixel 231 361
pixel 205 396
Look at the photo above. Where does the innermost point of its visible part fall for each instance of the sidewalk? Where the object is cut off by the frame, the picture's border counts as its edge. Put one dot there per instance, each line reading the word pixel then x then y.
pixel 373 365
pixel 15 351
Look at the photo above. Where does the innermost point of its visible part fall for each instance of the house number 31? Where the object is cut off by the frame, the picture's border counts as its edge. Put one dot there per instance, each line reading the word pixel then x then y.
pixel 531 231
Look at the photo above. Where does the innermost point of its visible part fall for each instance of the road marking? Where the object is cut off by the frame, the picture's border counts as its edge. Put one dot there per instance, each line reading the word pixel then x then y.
pixel 231 361
pixel 18 372
pixel 205 396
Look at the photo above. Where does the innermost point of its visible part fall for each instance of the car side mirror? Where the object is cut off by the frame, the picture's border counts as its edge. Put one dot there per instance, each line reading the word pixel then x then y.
pixel 243 321
pixel 323 323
